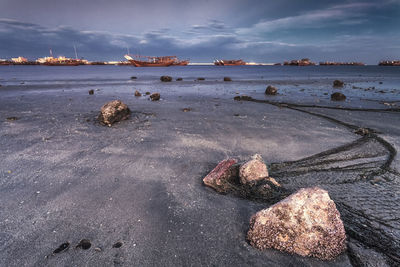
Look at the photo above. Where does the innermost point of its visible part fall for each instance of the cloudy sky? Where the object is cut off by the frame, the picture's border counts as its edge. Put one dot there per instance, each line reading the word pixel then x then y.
pixel 202 30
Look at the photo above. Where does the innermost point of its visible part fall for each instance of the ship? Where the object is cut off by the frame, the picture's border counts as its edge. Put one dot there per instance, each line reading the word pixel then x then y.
pixel 329 63
pixel 178 62
pixel 233 62
pixel 148 61
pixel 389 63
pixel 301 62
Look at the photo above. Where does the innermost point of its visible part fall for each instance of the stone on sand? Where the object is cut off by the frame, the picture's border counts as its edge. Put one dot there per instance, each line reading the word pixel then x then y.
pixel 253 170
pixel 137 93
pixel 113 111
pixel 306 223
pixel 155 96
pixel 220 177
pixel 271 90
pixel 166 78
pixel 338 96
pixel 338 83
pixel 91 92
pixel 227 79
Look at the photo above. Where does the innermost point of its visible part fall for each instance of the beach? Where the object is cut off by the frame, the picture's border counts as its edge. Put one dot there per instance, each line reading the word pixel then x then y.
pixel 65 177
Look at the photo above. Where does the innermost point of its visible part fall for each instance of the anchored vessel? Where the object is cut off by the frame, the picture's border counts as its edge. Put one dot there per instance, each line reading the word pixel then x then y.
pixel 389 63
pixel 224 62
pixel 147 61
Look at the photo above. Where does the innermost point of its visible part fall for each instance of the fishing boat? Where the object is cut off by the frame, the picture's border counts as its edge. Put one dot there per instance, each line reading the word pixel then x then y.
pixel 147 61
pixel 234 62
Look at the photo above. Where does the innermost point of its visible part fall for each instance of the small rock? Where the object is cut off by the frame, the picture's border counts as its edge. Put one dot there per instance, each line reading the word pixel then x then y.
pixel 186 109
pixel 362 131
pixel 114 111
pixel 306 223
pixel 245 97
pixel 338 83
pixel 84 244
pixel 166 78
pixel 227 79
pixel 117 245
pixel 91 92
pixel 147 93
pixel 380 82
pixel 155 96
pixel 179 79
pixel 200 79
pixel 133 77
pixel 237 98
pixel 12 118
pixel 137 93
pixel 223 174
pixel 61 248
pixel 338 96
pixel 97 249
pixel 271 90
pixel 253 170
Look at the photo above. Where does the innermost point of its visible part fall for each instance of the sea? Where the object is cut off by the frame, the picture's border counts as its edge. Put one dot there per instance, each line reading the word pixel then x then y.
pixel 294 83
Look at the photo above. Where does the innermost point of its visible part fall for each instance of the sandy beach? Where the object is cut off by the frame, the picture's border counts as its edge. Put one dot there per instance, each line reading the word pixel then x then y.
pixel 64 177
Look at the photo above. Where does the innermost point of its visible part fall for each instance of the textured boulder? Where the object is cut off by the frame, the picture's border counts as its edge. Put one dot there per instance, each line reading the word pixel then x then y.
pixel 155 96
pixel 220 177
pixel 306 223
pixel 271 90
pixel 253 170
pixel 137 93
pixel 338 97
pixel 113 111
pixel 227 79
pixel 91 92
pixel 166 78
pixel 338 83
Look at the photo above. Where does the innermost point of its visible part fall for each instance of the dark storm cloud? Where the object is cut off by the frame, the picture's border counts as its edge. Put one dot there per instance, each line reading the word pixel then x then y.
pixel 263 31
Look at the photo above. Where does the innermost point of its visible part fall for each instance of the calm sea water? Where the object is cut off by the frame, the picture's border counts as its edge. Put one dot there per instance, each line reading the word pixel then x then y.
pixel 292 81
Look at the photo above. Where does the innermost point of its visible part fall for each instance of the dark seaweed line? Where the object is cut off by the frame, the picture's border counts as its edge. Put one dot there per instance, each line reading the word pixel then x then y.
pixel 294 105
pixel 392 151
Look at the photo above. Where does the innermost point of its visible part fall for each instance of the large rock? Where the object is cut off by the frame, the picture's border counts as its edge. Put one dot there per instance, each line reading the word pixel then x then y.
pixel 253 170
pixel 271 90
pixel 306 223
pixel 220 177
pixel 113 112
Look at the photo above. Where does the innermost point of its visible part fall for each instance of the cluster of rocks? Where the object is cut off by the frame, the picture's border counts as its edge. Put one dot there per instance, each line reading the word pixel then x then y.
pixel 153 97
pixel 306 223
pixel 229 173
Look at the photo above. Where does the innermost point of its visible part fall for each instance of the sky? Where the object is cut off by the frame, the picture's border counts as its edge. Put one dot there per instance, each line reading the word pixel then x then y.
pixel 203 30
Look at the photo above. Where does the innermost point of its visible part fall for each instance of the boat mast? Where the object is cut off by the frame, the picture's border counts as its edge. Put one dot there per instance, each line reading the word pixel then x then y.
pixel 51 53
pixel 76 54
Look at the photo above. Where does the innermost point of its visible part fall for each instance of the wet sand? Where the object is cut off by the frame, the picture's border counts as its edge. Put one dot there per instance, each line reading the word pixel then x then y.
pixel 64 177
